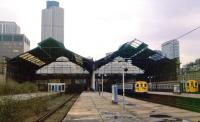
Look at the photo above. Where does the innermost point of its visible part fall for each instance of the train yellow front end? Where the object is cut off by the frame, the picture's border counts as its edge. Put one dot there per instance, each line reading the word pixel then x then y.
pixel 191 86
pixel 141 87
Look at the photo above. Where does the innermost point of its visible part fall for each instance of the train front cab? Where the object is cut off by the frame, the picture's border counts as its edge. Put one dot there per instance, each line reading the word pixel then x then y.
pixel 191 86
pixel 141 87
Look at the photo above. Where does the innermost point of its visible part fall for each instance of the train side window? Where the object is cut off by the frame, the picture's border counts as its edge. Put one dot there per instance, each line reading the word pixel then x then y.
pixel 196 84
pixel 59 87
pixel 191 83
pixel 52 88
pixel 145 85
pixel 187 84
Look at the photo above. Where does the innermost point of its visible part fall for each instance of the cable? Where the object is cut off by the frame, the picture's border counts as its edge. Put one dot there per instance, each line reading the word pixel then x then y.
pixel 187 33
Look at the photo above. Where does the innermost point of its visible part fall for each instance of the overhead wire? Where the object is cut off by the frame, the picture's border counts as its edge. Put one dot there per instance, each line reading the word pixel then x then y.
pixel 187 33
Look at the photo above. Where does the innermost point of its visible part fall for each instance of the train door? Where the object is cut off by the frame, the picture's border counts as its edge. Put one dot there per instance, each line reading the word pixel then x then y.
pixel 187 86
pixel 183 86
pixel 146 87
pixel 196 86
pixel 133 89
pixel 63 88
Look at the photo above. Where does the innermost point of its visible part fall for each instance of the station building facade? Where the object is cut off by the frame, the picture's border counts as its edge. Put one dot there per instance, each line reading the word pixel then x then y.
pixel 12 45
pixel 7 27
pixel 170 49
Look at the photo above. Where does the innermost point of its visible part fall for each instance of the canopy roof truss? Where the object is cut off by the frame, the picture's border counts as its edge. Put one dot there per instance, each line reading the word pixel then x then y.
pixel 49 50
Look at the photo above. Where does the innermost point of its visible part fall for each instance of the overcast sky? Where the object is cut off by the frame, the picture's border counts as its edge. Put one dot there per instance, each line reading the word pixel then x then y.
pixel 95 27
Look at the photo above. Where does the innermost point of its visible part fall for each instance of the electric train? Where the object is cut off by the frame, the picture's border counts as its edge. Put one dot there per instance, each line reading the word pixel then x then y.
pixel 189 86
pixel 139 87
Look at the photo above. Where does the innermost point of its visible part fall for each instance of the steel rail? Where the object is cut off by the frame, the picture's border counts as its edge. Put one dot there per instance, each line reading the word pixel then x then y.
pixel 50 113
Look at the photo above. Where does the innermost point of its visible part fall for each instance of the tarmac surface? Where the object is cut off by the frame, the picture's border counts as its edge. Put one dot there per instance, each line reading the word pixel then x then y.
pixel 92 107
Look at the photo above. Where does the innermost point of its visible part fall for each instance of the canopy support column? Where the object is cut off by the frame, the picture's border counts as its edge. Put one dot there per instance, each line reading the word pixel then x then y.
pixel 93 81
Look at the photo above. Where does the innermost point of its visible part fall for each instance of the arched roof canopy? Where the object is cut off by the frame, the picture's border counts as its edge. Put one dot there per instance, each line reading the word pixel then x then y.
pixel 46 52
pixel 136 51
pixel 152 62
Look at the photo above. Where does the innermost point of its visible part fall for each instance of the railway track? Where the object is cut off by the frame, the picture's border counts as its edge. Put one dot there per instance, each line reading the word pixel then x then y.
pixel 58 113
pixel 192 104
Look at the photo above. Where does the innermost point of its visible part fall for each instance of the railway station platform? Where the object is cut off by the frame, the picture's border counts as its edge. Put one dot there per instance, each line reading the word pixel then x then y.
pixel 92 107
pixel 190 95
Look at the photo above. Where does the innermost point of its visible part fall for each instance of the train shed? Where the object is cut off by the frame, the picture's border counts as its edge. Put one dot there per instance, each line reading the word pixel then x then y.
pixel 152 62
pixel 24 67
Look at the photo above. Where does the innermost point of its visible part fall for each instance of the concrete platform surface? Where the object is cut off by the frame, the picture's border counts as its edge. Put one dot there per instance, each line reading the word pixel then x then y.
pixel 92 107
pixel 173 94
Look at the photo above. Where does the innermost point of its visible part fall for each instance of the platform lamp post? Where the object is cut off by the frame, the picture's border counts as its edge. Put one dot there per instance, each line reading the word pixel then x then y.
pixel 124 69
pixel 123 90
pixel 102 82
pixel 99 75
pixel 150 77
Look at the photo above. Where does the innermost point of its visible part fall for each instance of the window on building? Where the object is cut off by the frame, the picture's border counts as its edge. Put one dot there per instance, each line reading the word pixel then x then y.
pixel 15 51
pixel 7 38
pixel 1 38
pixel 18 38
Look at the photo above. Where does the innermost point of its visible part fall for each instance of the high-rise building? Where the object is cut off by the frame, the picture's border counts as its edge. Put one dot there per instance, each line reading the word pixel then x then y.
pixel 170 49
pixel 53 22
pixel 7 27
pixel 12 43
pixel 52 4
